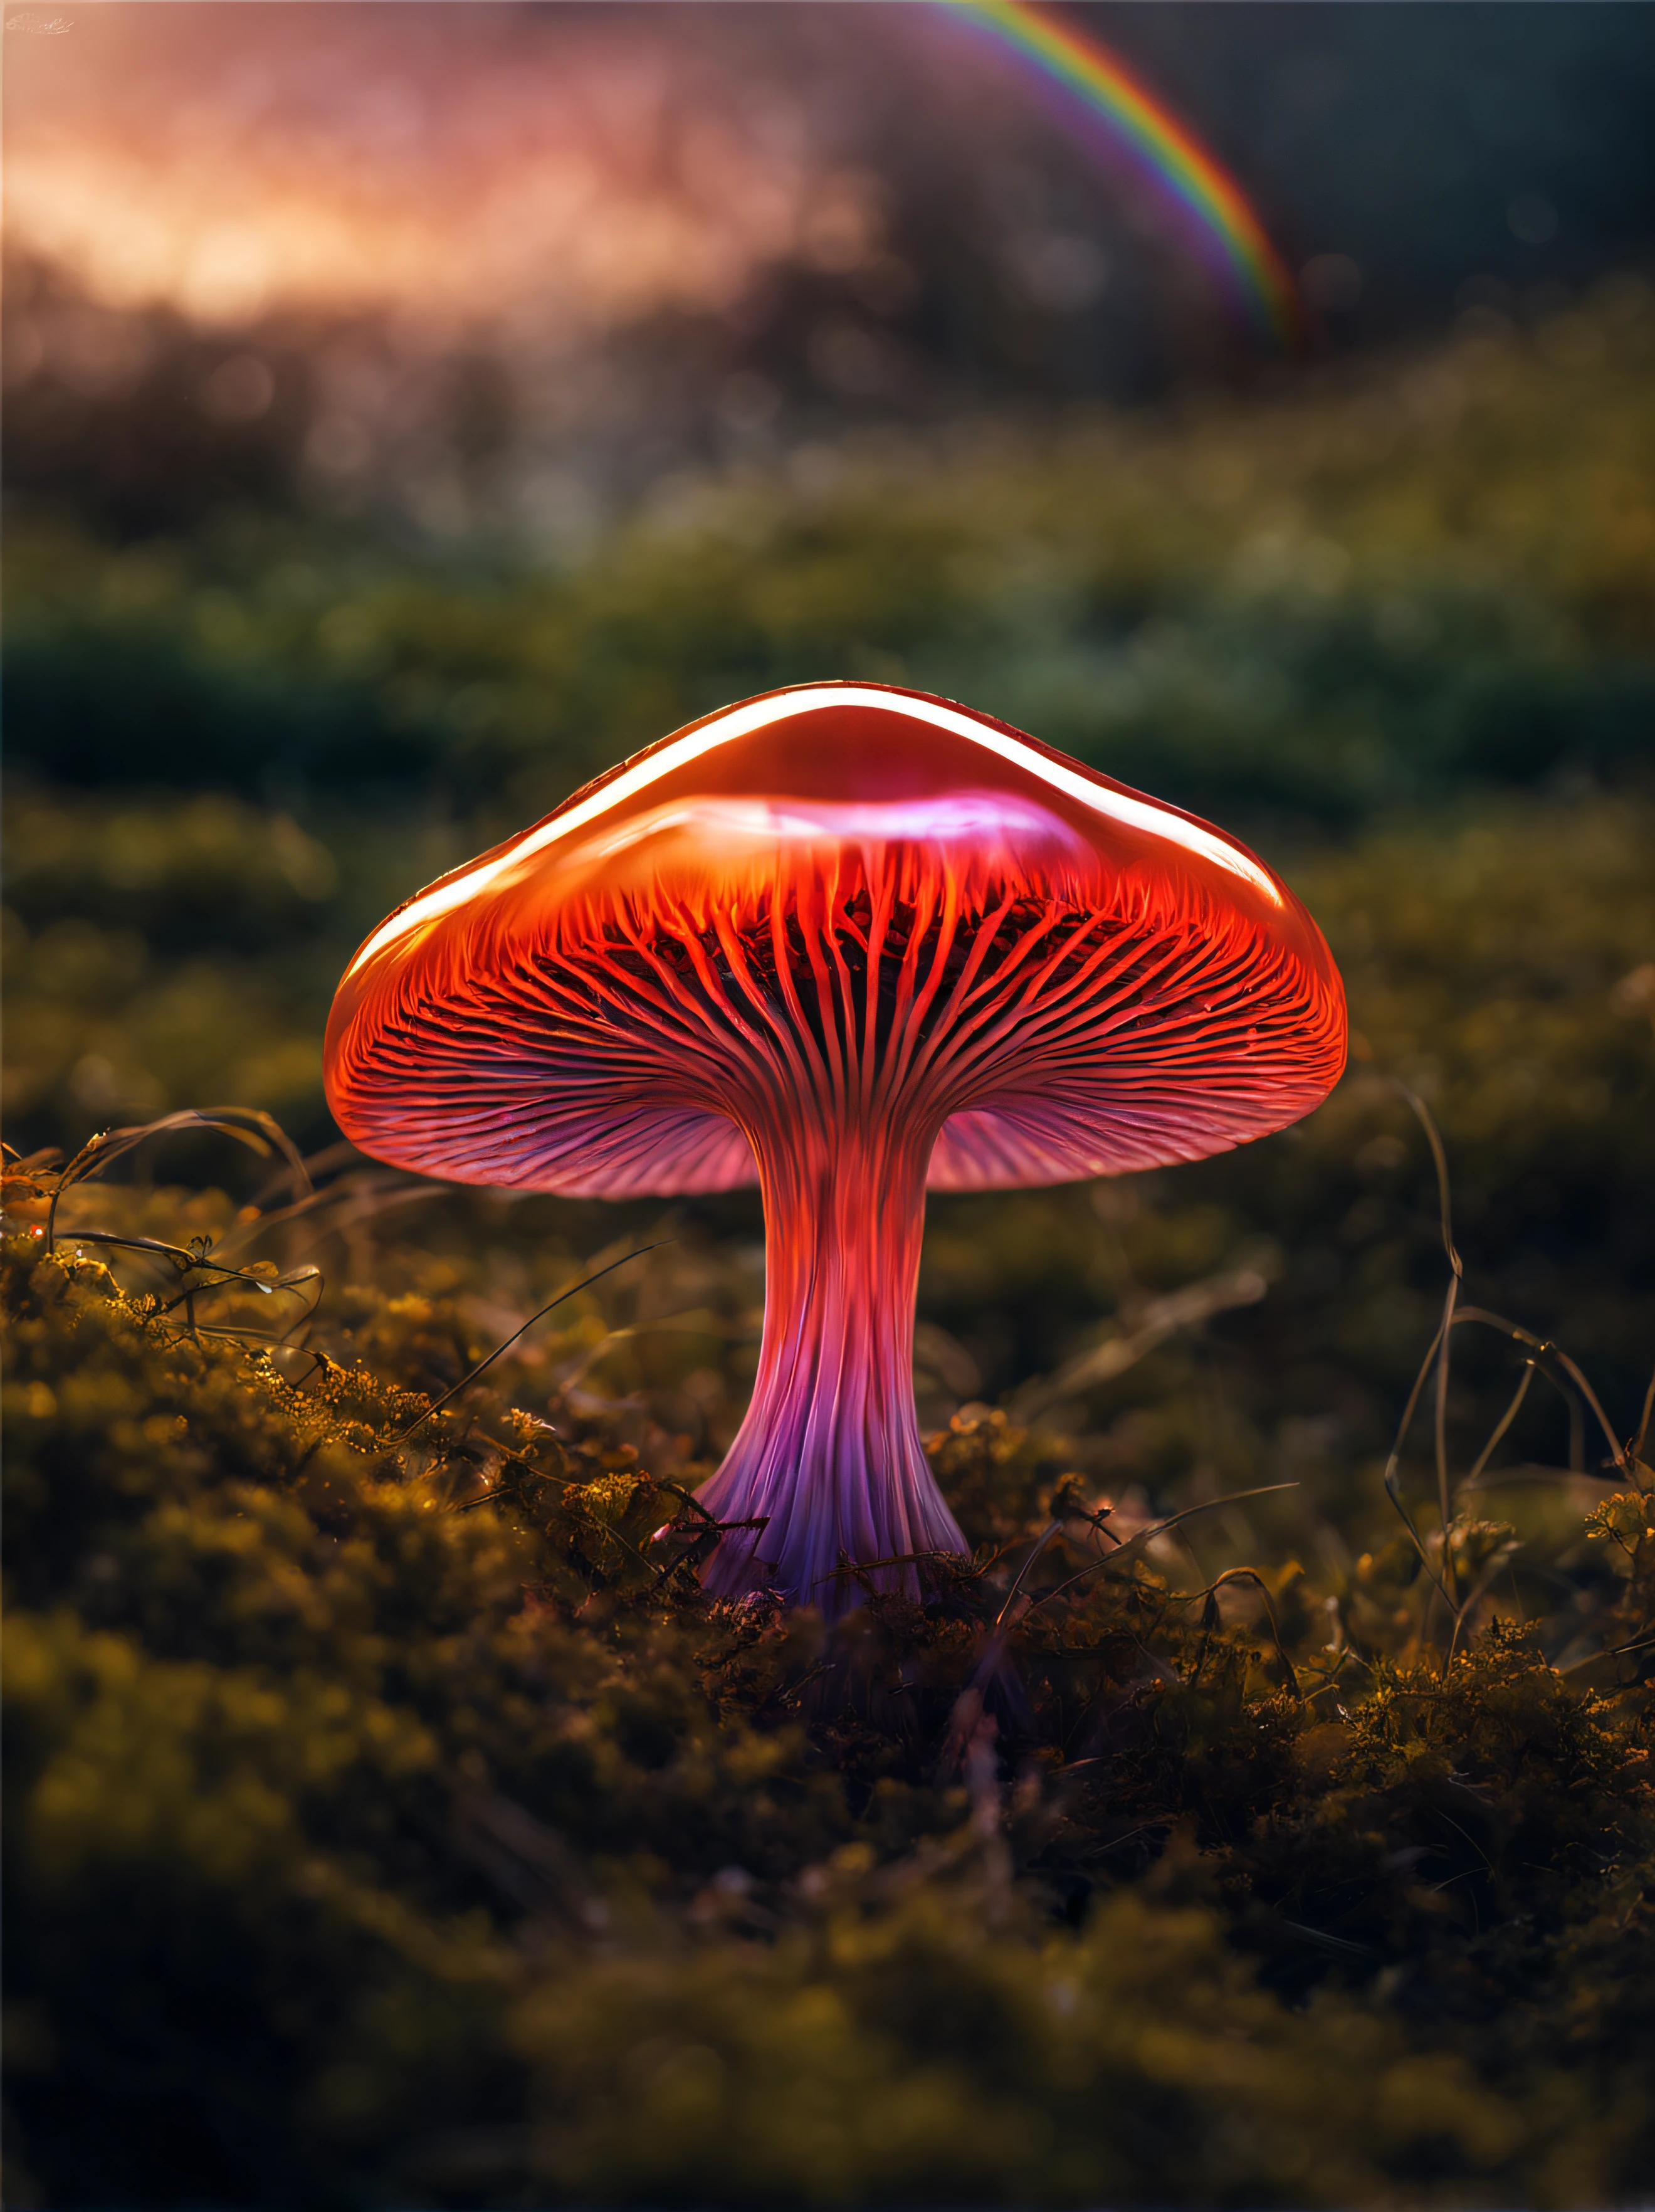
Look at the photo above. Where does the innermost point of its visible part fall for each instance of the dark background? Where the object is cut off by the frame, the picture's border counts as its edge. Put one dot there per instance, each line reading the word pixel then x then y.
pixel 1414 164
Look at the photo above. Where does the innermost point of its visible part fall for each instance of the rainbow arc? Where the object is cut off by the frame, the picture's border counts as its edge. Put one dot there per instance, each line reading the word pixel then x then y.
pixel 1208 204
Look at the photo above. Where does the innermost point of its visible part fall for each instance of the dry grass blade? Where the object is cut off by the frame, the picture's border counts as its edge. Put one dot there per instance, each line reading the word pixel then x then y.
pixel 863 1570
pixel 1053 1528
pixel 1209 1596
pixel 1613 1651
pixel 1393 1482
pixel 324 1163
pixel 1545 1349
pixel 1017 1608
pixel 1446 1581
pixel 551 1305
pixel 1442 1348
pixel 1160 1319
pixel 360 1198
pixel 1504 1422
pixel 1135 1546
pixel 247 1125
pixel 200 1258
pixel 1445 1504
pixel 1440 1159
pixel 187 1261
pixel 1393 1491
pixel 694 1321
pixel 1635 1450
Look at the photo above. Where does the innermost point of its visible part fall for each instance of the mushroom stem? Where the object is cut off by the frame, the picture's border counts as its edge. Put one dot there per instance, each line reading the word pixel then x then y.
pixel 829 1453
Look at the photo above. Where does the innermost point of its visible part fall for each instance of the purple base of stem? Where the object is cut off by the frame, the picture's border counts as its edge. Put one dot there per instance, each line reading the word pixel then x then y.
pixel 829 1455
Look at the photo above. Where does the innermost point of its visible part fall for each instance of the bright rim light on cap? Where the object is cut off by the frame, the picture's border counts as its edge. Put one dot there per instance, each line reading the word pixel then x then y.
pixel 1132 813
pixel 978 818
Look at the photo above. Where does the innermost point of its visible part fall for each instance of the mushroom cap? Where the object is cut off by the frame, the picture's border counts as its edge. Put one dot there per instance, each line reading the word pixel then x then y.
pixel 834 900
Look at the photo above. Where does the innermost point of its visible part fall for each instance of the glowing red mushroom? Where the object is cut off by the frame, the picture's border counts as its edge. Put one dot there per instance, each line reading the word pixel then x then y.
pixel 845 940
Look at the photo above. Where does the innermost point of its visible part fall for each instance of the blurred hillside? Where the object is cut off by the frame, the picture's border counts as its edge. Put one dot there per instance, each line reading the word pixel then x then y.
pixel 1402 577
pixel 1397 632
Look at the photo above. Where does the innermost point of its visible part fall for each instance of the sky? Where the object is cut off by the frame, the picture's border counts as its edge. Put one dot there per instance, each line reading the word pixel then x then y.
pixel 360 226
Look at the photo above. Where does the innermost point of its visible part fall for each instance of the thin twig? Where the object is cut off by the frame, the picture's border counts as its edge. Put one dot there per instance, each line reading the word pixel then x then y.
pixel 1615 1651
pixel 1137 1546
pixel 297 1279
pixel 848 1569
pixel 1210 1594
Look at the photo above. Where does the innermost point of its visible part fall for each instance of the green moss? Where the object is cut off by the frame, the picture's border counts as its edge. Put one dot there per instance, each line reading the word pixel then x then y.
pixel 392 1816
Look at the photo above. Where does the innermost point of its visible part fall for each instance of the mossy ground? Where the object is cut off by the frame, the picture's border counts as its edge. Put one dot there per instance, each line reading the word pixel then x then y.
pixel 393 1819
